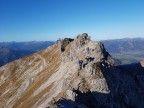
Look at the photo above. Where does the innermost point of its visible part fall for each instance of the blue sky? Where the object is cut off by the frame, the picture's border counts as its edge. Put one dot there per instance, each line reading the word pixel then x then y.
pixel 28 20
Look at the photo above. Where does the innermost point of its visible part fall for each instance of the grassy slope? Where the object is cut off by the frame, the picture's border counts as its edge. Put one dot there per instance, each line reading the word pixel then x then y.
pixel 15 80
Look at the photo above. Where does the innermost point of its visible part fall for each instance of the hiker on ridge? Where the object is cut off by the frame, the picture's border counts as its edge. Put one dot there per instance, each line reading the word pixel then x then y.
pixel 80 63
pixel 88 50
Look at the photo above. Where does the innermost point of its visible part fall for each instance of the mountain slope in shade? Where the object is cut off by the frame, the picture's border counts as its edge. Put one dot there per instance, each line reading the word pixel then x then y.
pixel 9 55
pixel 51 78
pixel 10 51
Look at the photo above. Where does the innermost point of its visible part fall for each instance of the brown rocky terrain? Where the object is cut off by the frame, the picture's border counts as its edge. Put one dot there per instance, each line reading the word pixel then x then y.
pixel 52 78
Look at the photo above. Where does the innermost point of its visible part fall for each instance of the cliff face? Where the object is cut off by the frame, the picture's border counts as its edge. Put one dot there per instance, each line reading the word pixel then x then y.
pixel 52 78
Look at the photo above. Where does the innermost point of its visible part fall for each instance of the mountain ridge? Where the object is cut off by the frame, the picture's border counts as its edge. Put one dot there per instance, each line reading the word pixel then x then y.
pixel 52 78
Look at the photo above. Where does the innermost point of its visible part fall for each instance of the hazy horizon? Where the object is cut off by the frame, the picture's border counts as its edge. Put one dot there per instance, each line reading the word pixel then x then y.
pixel 70 37
pixel 30 20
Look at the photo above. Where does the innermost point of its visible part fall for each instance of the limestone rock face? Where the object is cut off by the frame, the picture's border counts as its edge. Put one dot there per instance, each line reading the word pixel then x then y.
pixel 52 78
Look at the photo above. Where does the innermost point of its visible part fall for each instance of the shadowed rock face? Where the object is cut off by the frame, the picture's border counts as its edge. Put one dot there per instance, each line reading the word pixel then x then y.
pixel 52 78
pixel 126 86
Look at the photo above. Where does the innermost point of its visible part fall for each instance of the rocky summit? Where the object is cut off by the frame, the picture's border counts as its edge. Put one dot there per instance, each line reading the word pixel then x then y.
pixel 53 78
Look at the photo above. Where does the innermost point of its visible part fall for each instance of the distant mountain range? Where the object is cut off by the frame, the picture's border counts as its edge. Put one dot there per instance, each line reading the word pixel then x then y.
pixel 29 46
pixel 127 50
pixel 10 51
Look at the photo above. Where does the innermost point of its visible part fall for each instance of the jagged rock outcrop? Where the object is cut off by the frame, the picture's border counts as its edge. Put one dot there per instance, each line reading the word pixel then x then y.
pixel 52 78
